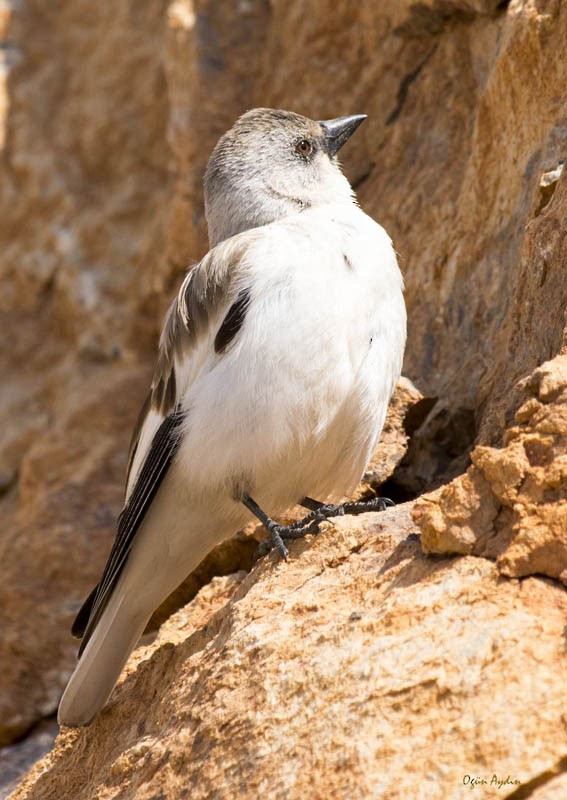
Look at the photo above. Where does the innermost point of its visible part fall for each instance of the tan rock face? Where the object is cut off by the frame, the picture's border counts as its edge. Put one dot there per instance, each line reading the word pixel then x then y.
pixel 82 191
pixel 511 504
pixel 325 677
pixel 108 113
pixel 55 549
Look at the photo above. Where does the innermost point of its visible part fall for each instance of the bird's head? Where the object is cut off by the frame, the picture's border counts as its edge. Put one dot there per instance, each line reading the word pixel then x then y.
pixel 271 164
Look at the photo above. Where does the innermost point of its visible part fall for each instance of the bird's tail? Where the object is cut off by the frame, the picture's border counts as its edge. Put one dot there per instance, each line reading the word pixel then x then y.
pixel 156 565
pixel 101 663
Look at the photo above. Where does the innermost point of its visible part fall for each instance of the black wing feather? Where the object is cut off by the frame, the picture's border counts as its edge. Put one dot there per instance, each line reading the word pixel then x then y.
pixel 232 322
pixel 82 619
pixel 159 457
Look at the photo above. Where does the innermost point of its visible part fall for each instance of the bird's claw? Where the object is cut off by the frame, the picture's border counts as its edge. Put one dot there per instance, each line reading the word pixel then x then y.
pixel 310 523
pixel 364 506
pixel 277 535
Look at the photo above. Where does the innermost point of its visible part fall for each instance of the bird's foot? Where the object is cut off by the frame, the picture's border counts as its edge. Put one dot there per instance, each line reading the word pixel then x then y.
pixel 364 506
pixel 357 507
pixel 310 523
pixel 279 533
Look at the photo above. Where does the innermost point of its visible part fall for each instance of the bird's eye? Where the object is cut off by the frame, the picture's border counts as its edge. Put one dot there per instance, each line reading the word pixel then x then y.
pixel 304 148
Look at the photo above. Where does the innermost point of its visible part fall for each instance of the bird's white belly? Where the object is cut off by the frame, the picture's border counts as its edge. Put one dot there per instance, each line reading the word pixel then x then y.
pixel 295 407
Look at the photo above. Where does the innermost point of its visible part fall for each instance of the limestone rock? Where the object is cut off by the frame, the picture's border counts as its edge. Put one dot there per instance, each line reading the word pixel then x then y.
pixel 512 502
pixel 359 668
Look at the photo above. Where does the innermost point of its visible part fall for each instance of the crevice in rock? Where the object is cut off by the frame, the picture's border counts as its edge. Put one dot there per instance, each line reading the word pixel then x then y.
pixel 527 789
pixel 427 20
pixel 404 87
pixel 441 440
pixel 430 20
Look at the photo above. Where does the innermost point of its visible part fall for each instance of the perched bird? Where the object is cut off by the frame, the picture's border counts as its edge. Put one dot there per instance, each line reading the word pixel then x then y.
pixel 277 360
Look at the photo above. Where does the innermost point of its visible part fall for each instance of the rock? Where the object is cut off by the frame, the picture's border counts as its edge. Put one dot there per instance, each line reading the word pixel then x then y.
pixel 511 504
pixel 326 675
pixel 56 547
pixel 16 760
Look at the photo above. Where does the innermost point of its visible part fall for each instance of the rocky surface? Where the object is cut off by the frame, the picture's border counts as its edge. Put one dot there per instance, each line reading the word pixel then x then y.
pixel 108 113
pixel 326 676
pixel 511 504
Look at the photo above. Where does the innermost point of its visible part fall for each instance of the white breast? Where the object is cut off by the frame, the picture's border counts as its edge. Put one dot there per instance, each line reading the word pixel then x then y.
pixel 297 403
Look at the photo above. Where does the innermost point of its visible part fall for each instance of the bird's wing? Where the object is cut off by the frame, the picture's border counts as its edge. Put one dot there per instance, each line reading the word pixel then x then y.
pixel 207 313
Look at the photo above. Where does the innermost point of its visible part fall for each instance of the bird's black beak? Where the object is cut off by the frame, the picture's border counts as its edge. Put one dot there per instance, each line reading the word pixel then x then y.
pixel 337 131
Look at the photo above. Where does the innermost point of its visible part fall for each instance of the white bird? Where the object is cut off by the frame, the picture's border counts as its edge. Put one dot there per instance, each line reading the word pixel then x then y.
pixel 277 360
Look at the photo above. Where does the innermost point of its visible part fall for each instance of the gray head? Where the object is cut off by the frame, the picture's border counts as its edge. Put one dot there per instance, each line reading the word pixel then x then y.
pixel 271 164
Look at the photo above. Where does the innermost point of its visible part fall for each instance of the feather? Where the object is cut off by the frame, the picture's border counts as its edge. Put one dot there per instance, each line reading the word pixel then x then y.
pixel 233 321
pixel 158 459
